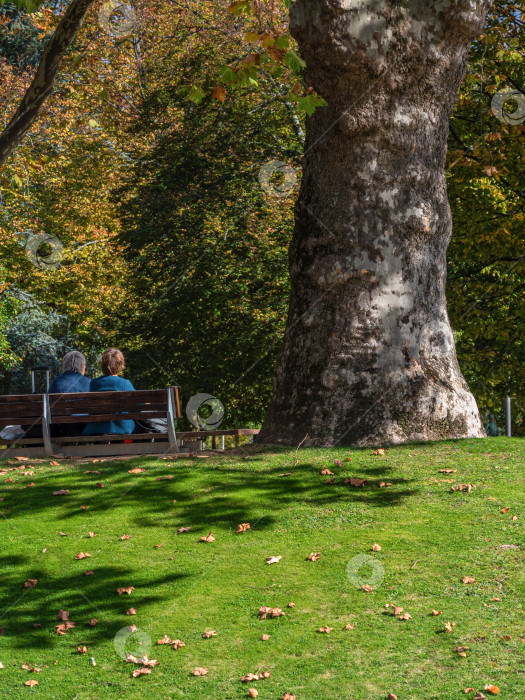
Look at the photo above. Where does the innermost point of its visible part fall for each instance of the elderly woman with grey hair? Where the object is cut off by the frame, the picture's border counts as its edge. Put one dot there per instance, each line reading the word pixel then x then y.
pixel 72 379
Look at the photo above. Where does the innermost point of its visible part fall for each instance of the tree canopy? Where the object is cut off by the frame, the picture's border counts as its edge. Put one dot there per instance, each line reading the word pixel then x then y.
pixel 143 171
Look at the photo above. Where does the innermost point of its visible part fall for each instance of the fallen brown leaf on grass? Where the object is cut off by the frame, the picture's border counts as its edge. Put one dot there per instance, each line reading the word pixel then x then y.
pixel 53 464
pixel 128 590
pixel 326 472
pixel 93 622
pixel 348 627
pixel 291 605
pixel 92 534
pixel 469 690
pixel 514 517
pixel 461 651
pixel 31 669
pixel 391 696
pixel 177 644
pixel 136 470
pixel 448 471
pixel 435 613
pixel 199 671
pixel 183 529
pixel 449 626
pixel 63 627
pixel 144 671
pixel 99 485
pixel 404 616
pixel 242 528
pixel 325 629
pixel 28 486
pixel 384 484
pixel 463 487
pixel 265 637
pixel 207 635
pixel 253 693
pixel 30 583
pixel 157 546
pixel 131 611
pixel 505 510
pixel 265 612
pixel 492 689
pixel 338 463
pixel 355 482
pixel 63 615
pixel 468 579
pixel 208 538
pixel 88 572
pixel 62 492
pixel 479 696
pixel 495 600
pixel 37 625
pixel 376 547
pixel 92 472
pixel 288 696
pixel 165 640
pixel 84 507
pixel 273 560
pixel 125 537
pixel 367 588
pixel 82 555
pixel 314 556
pixel 286 474
pixel 82 649
pixel 377 453
pixel 31 684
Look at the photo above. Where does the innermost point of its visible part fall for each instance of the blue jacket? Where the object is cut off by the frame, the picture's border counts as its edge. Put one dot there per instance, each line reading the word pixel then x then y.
pixel 69 383
pixel 119 427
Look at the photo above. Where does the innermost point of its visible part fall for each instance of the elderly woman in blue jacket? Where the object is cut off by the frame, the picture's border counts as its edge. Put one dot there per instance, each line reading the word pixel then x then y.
pixel 112 365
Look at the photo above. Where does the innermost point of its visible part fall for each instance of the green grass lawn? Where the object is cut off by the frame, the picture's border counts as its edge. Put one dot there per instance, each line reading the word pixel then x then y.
pixel 430 539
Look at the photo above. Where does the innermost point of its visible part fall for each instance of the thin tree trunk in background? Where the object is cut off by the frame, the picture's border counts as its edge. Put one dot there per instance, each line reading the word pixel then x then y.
pixel 369 354
pixel 44 79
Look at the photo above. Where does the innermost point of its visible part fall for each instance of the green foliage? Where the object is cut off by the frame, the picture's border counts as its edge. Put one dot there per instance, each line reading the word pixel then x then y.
pixel 21 44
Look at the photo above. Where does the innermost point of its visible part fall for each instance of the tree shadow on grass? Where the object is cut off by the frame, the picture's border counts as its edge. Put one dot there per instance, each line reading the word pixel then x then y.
pixel 94 597
pixel 201 495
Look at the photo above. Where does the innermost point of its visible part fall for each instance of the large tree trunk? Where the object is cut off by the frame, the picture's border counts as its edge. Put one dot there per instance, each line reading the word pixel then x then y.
pixel 369 354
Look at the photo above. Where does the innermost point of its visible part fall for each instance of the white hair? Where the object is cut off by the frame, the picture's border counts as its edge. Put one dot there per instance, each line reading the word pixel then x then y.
pixel 74 361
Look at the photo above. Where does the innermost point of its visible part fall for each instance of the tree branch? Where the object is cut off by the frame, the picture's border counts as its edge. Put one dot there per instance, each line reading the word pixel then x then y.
pixel 44 79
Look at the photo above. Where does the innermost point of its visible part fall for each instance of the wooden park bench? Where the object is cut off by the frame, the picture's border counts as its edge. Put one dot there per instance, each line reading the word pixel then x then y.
pixel 48 410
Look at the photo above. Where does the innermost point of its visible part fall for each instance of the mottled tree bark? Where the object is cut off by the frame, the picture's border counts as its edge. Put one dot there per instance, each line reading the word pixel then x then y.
pixel 44 79
pixel 369 354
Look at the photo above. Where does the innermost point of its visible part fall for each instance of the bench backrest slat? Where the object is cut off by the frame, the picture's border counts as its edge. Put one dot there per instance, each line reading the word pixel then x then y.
pixel 108 405
pixel 21 410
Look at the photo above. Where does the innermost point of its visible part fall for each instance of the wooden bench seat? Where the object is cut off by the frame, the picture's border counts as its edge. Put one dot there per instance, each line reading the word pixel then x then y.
pixel 47 410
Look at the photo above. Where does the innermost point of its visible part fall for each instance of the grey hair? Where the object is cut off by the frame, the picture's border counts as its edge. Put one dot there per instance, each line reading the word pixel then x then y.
pixel 74 361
